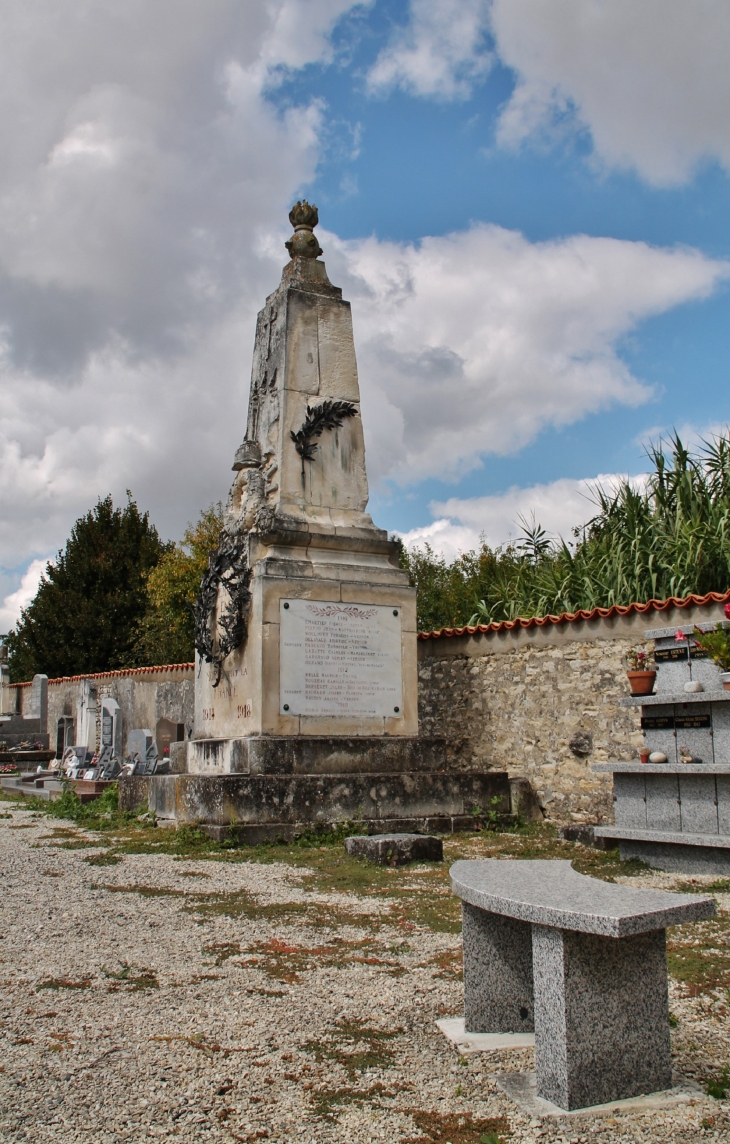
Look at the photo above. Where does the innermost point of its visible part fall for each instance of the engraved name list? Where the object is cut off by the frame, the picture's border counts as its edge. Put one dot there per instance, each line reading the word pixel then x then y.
pixel 340 659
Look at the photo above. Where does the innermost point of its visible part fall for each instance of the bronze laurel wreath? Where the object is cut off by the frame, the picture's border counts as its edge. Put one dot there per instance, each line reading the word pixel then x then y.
pixel 328 415
pixel 227 566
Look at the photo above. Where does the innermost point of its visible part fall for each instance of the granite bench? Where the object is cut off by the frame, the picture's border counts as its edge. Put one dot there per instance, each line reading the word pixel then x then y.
pixel 580 962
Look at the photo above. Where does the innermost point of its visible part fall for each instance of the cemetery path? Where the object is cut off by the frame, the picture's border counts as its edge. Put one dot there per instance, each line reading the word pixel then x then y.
pixel 150 996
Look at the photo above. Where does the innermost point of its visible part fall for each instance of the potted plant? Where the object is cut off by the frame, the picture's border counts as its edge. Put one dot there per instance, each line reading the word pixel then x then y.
pixel 641 673
pixel 717 646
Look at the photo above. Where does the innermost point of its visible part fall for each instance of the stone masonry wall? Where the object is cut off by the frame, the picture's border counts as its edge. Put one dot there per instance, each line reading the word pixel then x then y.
pixel 542 704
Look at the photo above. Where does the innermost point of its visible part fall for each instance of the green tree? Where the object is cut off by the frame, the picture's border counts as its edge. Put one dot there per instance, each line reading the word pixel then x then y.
pixel 85 615
pixel 165 632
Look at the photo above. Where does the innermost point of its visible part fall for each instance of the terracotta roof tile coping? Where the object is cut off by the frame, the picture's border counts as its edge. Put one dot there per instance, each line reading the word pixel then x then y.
pixel 112 674
pixel 576 617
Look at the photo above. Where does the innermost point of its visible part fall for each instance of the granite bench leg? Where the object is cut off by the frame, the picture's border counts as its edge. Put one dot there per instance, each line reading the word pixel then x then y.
pixel 497 973
pixel 601 1016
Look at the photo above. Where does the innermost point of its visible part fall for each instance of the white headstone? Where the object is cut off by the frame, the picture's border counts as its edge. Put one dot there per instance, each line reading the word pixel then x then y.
pixel 36 705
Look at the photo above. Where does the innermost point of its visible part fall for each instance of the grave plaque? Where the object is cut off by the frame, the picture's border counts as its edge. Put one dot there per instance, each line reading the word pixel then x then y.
pixel 340 659
pixel 36 705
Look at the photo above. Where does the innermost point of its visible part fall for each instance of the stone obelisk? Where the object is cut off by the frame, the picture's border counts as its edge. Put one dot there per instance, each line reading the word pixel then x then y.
pixel 306 625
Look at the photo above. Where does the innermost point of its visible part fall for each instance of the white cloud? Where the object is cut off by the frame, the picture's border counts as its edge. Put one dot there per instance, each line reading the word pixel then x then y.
pixel 558 507
pixel 440 52
pixel 650 81
pixel 144 189
pixel 13 603
pixel 474 342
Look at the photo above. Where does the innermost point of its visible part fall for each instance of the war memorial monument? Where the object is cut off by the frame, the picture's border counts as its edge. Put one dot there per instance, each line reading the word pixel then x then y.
pixel 306 703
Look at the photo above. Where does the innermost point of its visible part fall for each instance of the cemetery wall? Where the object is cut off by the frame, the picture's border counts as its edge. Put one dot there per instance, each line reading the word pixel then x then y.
pixel 145 695
pixel 540 699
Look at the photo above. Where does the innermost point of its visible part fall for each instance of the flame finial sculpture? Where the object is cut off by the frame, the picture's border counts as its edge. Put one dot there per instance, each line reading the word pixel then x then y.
pixel 304 218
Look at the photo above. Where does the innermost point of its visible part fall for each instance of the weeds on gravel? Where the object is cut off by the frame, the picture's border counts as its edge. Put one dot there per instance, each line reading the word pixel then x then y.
pixel 325 1101
pixel 452 1128
pixel 220 951
pixel 721 886
pixel 698 955
pixel 129 979
pixel 105 859
pixel 284 962
pixel 718 1086
pixel 57 983
pixel 355 1046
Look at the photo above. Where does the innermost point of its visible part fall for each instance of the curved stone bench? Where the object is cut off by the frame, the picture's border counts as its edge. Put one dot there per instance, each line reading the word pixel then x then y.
pixel 582 963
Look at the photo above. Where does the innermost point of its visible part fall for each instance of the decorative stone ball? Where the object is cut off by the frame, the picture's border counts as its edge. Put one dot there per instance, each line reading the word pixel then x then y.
pixel 693 686
pixel 657 757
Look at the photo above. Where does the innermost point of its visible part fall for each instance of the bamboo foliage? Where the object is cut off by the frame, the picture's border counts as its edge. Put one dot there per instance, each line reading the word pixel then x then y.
pixel 669 536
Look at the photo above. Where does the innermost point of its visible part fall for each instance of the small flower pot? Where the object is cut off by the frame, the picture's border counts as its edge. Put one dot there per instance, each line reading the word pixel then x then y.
pixel 725 679
pixel 642 682
pixel 644 754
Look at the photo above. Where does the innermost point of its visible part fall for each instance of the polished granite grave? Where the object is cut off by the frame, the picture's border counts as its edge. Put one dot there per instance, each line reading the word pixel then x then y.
pixel 676 815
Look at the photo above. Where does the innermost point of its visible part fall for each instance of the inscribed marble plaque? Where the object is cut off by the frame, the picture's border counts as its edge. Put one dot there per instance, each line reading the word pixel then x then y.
pixel 340 659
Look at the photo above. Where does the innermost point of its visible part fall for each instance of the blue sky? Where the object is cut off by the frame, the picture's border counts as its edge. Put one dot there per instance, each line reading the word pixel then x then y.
pixel 526 202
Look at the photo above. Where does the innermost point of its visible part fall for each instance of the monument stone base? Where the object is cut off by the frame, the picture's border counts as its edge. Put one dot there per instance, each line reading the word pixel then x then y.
pixel 320 754
pixel 263 806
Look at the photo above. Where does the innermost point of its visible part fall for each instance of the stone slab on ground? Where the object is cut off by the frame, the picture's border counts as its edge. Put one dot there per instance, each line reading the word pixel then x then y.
pixel 521 1087
pixel 453 1029
pixel 395 849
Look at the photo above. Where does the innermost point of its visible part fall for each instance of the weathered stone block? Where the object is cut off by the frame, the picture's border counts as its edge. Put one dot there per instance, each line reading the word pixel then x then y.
pixel 396 849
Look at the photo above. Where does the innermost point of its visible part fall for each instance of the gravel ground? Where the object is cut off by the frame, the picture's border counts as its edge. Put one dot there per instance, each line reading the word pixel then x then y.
pixel 200 1000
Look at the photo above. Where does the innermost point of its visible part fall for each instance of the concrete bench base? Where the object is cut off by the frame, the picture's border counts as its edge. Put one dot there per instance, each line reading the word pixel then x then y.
pixel 580 962
pixel 521 1087
pixel 599 1007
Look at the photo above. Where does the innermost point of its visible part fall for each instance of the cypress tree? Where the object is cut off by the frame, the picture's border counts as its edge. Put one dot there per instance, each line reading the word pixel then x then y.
pixel 86 614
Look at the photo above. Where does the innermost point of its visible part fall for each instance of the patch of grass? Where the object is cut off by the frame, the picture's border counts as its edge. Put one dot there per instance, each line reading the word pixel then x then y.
pixel 142 890
pixel 57 983
pixel 284 962
pixel 220 951
pixel 326 1101
pixel 453 1128
pixel 698 955
pixel 241 903
pixel 721 886
pixel 355 1046
pixel 449 963
pixel 105 859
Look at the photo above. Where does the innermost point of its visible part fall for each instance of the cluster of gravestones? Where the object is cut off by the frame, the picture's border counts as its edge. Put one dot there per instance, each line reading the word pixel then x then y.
pixel 142 756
